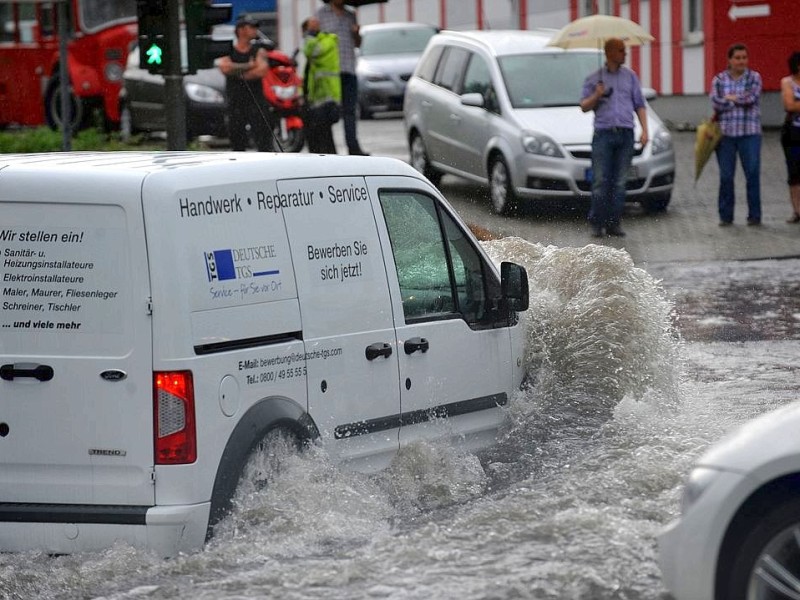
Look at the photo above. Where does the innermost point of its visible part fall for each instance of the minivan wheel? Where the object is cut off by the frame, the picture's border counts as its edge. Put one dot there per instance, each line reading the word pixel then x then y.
pixel 419 160
pixel 767 560
pixel 501 188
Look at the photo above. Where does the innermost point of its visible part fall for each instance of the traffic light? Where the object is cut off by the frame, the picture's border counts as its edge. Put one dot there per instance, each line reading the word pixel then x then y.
pixel 201 16
pixel 152 15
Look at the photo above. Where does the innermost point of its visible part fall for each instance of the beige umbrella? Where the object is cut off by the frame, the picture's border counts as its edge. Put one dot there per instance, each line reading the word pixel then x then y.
pixel 594 30
pixel 708 136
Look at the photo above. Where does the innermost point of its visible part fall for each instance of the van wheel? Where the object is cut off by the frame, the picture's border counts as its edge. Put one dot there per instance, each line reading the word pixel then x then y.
pixel 52 107
pixel 255 467
pixel 419 160
pixel 501 188
pixel 767 559
pixel 266 460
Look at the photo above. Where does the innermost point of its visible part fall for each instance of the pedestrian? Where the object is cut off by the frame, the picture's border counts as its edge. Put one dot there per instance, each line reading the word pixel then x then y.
pixel 334 17
pixel 322 87
pixel 790 132
pixel 736 98
pixel 244 69
pixel 614 93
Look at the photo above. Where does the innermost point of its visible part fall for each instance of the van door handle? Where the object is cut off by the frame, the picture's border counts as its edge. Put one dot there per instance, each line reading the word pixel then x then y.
pixel 40 372
pixel 416 344
pixel 377 349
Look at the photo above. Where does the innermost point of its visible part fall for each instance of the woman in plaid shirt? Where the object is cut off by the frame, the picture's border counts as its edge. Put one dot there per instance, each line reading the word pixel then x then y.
pixel 735 96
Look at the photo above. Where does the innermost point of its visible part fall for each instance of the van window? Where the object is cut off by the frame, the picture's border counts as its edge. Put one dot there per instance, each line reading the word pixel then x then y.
pixel 439 270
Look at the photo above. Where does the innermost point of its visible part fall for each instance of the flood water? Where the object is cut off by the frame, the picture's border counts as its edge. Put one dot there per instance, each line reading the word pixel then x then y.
pixel 633 373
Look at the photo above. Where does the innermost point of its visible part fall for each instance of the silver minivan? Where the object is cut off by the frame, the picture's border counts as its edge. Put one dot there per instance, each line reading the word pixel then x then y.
pixel 502 107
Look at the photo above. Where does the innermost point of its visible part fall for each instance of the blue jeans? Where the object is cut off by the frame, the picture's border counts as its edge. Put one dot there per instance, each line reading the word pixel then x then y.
pixel 612 152
pixel 349 101
pixel 749 149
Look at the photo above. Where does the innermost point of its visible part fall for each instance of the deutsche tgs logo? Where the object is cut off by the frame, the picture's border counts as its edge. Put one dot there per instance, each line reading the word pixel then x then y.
pixel 241 263
pixel 220 265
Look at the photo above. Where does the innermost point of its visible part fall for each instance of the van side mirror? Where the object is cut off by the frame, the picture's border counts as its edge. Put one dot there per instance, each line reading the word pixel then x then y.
pixel 514 286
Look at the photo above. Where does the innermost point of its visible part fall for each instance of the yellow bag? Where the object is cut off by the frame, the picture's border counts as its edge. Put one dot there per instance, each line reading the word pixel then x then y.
pixel 708 136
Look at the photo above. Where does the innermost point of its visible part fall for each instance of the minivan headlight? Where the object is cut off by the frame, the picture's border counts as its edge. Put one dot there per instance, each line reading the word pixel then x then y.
pixel 662 141
pixel 537 143
pixel 204 94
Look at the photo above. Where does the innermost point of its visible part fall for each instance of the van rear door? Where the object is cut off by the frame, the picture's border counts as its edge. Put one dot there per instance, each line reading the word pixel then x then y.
pixel 75 342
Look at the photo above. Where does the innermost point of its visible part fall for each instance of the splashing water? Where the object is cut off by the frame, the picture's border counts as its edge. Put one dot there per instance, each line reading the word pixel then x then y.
pixel 565 506
pixel 599 328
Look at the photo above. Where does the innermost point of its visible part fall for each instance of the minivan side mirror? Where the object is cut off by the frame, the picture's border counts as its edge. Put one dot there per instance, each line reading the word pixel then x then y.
pixel 514 286
pixel 472 99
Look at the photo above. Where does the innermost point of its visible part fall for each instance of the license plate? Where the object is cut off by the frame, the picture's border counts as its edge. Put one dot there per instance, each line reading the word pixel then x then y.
pixel 633 173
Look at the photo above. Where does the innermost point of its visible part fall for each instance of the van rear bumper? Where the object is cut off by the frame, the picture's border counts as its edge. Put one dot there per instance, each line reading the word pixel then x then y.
pixel 65 529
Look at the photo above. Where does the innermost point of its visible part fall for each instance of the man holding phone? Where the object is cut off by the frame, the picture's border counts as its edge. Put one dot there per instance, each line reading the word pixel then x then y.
pixel 614 93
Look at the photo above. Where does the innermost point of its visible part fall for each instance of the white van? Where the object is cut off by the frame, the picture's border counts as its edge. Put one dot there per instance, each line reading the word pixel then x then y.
pixel 162 312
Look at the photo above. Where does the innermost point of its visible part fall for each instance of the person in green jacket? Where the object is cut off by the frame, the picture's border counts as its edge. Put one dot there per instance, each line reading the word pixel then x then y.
pixel 322 86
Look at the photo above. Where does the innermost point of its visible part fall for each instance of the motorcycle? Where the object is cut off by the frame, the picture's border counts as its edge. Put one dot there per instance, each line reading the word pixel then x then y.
pixel 283 89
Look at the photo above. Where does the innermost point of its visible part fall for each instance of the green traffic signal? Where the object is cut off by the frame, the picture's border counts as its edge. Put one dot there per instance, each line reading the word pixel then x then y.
pixel 152 21
pixel 154 55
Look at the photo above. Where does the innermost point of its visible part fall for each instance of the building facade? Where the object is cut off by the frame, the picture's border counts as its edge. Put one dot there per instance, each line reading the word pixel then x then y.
pixel 692 36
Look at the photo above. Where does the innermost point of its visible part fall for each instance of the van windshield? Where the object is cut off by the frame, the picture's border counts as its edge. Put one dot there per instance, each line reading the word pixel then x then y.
pixel 539 80
pixel 97 14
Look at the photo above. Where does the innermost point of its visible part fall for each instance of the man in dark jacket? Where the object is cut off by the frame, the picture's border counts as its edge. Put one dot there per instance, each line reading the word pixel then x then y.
pixel 244 69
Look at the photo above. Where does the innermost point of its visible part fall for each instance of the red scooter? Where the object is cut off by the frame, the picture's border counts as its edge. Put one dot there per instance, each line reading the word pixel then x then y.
pixel 283 89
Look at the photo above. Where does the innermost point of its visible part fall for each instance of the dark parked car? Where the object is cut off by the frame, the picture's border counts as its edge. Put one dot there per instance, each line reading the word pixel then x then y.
pixel 142 101
pixel 387 57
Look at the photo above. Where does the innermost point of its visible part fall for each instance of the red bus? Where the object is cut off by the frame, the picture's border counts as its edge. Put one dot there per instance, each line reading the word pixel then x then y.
pixel 100 36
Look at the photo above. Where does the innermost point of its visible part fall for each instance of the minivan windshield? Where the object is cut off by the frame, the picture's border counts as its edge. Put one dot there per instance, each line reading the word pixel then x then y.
pixel 539 80
pixel 395 41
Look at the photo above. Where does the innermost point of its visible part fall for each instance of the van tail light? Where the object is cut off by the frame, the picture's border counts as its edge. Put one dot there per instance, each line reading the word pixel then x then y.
pixel 173 418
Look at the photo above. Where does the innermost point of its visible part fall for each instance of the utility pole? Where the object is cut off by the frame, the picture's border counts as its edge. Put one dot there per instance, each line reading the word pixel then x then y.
pixel 174 101
pixel 66 101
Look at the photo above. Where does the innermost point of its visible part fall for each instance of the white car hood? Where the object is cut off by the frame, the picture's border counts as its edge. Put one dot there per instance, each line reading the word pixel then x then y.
pixel 567 125
pixel 770 439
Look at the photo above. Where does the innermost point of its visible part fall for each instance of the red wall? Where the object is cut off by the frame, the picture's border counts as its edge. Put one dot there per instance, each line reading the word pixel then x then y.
pixel 769 39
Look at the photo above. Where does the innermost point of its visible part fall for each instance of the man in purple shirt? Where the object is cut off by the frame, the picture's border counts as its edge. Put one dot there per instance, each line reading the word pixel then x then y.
pixel 614 94
pixel 735 96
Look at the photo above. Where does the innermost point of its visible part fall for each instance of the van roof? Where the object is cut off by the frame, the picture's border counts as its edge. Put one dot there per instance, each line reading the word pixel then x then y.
pixel 138 164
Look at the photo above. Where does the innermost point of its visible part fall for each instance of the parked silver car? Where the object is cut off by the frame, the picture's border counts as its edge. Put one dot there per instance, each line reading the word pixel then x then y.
pixel 387 57
pixel 502 107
